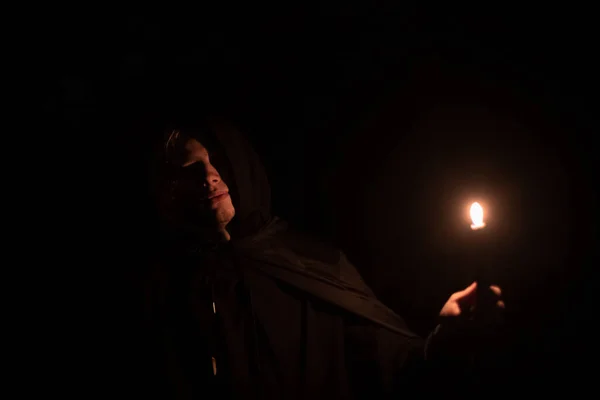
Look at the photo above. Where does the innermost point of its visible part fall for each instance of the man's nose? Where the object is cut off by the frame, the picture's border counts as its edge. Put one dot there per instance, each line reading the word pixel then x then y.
pixel 211 178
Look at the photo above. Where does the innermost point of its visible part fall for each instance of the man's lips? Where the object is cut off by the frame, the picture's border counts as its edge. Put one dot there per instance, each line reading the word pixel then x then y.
pixel 214 197
pixel 217 194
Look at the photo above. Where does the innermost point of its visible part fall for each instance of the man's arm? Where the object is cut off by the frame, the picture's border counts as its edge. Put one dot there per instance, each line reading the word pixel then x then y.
pixel 381 362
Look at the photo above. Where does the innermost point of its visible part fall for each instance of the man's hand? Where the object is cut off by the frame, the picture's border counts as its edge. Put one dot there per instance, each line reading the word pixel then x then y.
pixel 463 303
pixel 468 320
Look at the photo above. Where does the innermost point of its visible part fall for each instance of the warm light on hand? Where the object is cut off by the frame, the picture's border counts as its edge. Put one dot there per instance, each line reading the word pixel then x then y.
pixel 477 216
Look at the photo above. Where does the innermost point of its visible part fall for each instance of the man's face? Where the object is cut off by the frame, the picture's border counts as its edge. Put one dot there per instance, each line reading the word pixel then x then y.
pixel 200 189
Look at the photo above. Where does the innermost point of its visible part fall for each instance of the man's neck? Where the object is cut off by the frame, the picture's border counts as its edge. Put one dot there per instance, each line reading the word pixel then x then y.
pixel 215 235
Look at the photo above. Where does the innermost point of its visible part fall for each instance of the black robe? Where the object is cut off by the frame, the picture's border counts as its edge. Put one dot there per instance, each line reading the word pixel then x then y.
pixel 293 317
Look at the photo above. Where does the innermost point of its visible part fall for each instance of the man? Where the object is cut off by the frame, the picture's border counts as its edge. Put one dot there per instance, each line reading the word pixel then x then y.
pixel 240 306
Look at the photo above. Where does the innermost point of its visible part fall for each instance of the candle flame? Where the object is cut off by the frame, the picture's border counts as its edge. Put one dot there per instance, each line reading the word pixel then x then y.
pixel 477 216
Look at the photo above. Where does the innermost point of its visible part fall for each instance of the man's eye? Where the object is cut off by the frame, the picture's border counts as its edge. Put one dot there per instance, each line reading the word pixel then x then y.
pixel 187 172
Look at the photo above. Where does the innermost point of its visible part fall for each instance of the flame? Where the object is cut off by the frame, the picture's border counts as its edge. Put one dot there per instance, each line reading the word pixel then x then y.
pixel 477 216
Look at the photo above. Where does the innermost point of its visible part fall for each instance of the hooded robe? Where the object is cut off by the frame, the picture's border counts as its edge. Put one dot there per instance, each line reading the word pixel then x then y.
pixel 270 314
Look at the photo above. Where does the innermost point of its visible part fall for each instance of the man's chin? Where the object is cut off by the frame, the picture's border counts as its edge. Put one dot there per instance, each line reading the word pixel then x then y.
pixel 224 217
pixel 224 213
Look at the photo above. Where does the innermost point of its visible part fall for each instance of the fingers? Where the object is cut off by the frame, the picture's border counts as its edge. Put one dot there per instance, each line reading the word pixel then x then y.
pixel 464 300
pixel 498 292
pixel 496 289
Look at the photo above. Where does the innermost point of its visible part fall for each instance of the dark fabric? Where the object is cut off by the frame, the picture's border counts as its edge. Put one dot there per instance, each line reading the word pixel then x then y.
pixel 294 318
pixel 279 342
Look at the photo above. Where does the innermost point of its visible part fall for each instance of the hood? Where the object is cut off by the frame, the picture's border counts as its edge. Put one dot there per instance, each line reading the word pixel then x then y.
pixel 246 177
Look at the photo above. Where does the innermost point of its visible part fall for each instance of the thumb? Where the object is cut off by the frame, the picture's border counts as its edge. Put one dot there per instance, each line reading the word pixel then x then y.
pixel 467 292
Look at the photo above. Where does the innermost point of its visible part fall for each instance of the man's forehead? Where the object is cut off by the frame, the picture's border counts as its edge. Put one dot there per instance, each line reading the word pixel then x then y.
pixel 191 151
pixel 194 148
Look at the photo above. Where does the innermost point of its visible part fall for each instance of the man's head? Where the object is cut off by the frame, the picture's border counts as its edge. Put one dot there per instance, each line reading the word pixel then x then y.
pixel 198 195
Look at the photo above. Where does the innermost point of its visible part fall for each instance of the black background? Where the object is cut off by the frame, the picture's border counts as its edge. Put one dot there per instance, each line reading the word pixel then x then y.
pixel 378 124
